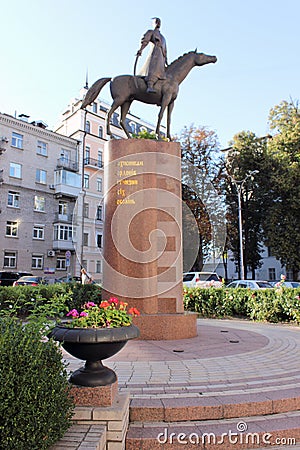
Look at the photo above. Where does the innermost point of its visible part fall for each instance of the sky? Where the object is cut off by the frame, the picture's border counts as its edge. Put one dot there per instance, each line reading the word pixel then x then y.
pixel 47 48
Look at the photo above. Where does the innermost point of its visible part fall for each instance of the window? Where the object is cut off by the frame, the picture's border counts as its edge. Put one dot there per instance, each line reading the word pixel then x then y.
pixel 86 239
pixel 98 266
pixel 10 259
pixel 272 274
pixel 62 208
pixel 87 127
pixel 17 140
pixel 37 261
pixel 63 232
pixel 41 176
pixel 41 148
pixel 132 126
pixel 87 155
pixel 99 213
pixel 86 210
pixel 65 156
pixel 86 181
pixel 13 199
pixel 100 158
pixel 39 203
pixel 94 107
pixel 15 170
pixel 11 229
pixel 99 184
pixel 100 132
pixel 38 232
pixel 61 263
pixel 99 240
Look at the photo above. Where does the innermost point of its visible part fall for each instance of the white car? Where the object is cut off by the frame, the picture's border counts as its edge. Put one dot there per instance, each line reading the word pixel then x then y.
pixel 250 284
pixel 201 279
pixel 286 284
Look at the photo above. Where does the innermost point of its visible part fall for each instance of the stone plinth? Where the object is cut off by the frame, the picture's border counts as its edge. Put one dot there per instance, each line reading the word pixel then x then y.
pixel 94 396
pixel 143 235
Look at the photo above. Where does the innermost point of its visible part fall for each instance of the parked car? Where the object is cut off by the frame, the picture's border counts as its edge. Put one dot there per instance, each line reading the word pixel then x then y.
pixel 8 278
pixel 201 279
pixel 250 284
pixel 29 281
pixel 67 279
pixel 287 284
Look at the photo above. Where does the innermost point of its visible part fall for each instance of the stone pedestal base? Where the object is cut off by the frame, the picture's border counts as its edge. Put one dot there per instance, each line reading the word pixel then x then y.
pixel 159 327
pixel 95 396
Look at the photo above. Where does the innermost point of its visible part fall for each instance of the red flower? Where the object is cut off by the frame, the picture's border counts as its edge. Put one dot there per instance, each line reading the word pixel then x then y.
pixel 104 304
pixel 134 312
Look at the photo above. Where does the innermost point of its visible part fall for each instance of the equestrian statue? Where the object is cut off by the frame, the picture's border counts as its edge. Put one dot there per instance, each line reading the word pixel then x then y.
pixel 156 84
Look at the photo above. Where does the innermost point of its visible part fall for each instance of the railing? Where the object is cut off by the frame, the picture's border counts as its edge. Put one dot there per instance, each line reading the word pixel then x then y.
pixel 63 217
pixel 66 163
pixel 93 162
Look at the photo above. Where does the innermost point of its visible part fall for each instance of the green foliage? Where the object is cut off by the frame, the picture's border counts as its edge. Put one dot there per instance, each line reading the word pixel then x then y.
pixel 282 225
pixel 83 293
pixel 271 305
pixel 144 134
pixel 46 300
pixel 35 405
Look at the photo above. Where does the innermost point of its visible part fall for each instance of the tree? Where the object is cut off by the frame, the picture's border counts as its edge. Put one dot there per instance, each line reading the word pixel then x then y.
pixel 282 219
pixel 200 170
pixel 247 153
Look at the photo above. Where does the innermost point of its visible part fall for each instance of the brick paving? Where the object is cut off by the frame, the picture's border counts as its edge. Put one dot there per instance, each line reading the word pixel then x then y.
pixel 233 369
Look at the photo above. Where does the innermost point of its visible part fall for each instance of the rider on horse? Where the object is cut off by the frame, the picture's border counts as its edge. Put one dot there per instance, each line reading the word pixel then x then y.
pixel 154 67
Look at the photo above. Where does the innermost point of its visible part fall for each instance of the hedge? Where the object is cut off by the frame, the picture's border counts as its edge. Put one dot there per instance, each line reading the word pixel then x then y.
pixel 271 305
pixel 53 300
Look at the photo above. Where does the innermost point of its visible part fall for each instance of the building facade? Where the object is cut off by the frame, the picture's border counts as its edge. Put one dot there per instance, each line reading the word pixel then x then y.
pixel 88 127
pixel 40 181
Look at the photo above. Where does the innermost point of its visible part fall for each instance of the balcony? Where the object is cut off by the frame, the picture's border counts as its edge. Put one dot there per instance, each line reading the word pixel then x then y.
pixel 63 245
pixel 66 218
pixel 67 183
pixel 66 163
pixel 91 162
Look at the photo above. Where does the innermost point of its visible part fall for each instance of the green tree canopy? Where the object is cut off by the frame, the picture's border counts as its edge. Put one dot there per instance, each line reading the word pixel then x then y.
pixel 282 219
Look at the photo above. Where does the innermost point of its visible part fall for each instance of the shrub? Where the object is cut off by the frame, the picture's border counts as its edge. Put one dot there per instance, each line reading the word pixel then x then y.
pixel 35 405
pixel 53 299
pixel 272 305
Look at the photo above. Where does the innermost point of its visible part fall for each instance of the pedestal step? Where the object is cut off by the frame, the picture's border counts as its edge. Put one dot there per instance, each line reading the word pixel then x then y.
pixel 229 434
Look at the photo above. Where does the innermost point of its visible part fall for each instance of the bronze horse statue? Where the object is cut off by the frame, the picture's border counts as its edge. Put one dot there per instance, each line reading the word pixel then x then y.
pixel 126 88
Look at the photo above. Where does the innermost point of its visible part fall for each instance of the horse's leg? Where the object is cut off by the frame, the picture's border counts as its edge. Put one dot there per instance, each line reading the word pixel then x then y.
pixel 170 109
pixel 116 103
pixel 124 110
pixel 165 102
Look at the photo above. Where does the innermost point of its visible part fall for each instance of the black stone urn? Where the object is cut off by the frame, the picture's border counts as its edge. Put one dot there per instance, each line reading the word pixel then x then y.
pixel 93 345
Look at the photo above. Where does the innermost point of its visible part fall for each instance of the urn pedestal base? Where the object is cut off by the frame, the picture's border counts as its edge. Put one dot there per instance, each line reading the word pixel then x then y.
pixel 95 396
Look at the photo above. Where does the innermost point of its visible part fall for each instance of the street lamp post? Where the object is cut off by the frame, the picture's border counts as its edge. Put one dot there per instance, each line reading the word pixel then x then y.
pixel 239 187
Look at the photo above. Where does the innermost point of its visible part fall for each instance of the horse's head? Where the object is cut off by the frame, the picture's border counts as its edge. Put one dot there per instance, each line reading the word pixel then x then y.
pixel 201 59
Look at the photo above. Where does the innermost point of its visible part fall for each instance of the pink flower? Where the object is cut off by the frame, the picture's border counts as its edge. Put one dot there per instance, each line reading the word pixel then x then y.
pixel 74 313
pixel 89 304
pixel 83 314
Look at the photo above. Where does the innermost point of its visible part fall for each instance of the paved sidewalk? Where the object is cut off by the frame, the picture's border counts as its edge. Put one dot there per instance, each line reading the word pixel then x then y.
pixel 226 355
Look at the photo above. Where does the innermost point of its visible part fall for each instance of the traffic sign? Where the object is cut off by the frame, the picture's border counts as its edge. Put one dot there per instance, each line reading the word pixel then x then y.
pixel 68 254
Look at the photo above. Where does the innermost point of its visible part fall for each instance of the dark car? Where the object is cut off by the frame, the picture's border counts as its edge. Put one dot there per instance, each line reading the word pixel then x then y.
pixel 8 278
pixel 29 281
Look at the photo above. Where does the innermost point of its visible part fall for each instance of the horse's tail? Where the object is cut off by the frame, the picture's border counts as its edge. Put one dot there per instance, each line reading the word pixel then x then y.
pixel 94 91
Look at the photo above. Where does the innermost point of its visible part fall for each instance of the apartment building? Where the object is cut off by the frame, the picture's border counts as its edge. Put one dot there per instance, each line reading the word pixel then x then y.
pixel 40 181
pixel 88 127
